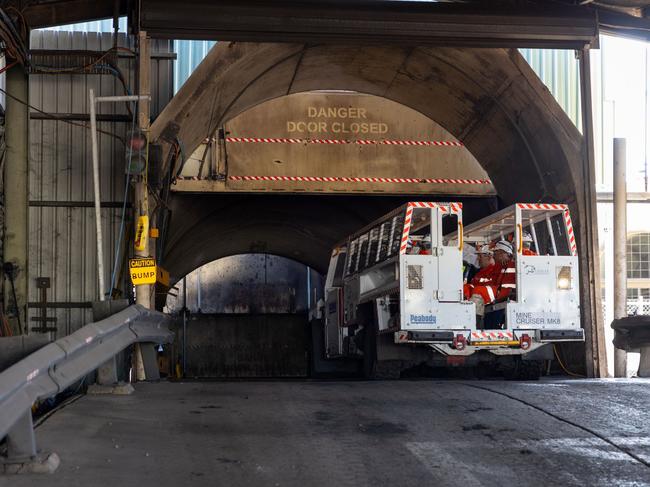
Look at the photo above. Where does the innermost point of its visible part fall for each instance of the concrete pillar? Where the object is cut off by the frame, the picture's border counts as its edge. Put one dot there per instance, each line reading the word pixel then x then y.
pixel 620 243
pixel 16 188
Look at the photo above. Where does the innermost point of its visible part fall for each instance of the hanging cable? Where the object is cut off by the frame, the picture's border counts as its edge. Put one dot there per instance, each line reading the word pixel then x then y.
pixel 126 197
pixel 53 117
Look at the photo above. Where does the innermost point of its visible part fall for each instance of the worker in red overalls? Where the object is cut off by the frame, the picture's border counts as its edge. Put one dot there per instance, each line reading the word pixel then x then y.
pixel 486 273
pixel 502 282
pixel 506 283
pixel 527 243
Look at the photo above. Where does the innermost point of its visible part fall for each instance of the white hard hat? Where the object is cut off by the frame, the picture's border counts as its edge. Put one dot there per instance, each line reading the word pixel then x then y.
pixel 484 249
pixel 527 237
pixel 427 238
pixel 503 245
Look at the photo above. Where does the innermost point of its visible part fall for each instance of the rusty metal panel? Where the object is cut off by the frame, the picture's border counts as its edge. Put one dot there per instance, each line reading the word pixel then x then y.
pixel 335 142
pixel 228 346
pixel 249 284
pixel 62 238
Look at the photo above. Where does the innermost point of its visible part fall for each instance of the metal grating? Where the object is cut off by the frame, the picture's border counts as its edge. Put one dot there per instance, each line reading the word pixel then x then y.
pixel 414 277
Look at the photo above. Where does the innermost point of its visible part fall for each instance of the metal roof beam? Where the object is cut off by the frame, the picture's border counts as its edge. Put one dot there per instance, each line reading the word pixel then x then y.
pixel 372 22
pixel 39 14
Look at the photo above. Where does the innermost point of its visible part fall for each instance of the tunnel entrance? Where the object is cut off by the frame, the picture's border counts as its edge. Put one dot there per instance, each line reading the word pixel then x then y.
pixel 245 316
pixel 489 100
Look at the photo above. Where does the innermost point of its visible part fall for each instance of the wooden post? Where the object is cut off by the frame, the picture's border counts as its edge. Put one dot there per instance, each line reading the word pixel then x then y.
pixel 143 293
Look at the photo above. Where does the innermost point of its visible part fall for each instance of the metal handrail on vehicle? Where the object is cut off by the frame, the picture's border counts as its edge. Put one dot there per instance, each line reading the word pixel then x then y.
pixel 60 364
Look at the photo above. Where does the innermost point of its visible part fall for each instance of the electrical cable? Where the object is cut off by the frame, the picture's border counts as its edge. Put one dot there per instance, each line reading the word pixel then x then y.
pixel 564 420
pixel 126 197
pixel 13 38
pixel 53 117
pixel 559 360
pixel 8 66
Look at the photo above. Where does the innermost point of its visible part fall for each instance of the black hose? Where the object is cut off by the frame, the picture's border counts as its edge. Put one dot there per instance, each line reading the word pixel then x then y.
pixel 10 271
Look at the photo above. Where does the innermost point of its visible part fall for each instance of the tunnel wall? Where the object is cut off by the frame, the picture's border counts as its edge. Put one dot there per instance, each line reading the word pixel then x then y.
pixel 490 99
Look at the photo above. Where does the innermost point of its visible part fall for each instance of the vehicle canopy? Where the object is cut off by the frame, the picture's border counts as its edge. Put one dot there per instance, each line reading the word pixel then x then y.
pixel 547 225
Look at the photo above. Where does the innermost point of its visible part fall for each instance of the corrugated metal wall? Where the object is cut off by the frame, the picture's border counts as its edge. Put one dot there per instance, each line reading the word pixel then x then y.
pixel 62 231
pixel 190 55
pixel 559 71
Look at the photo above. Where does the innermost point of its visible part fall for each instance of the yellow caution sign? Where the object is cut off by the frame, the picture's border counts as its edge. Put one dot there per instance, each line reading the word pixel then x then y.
pixel 142 232
pixel 142 271
pixel 162 277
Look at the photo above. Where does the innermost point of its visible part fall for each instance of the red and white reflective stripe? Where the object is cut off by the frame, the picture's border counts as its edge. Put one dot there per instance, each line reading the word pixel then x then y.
pixel 343 179
pixel 492 335
pixel 285 140
pixel 490 292
pixel 407 227
pixel 453 207
pixel 455 181
pixel 403 336
pixel 541 206
pixel 570 233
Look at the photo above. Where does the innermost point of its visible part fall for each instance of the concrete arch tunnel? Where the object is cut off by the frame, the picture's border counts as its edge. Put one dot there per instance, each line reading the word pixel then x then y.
pixel 490 99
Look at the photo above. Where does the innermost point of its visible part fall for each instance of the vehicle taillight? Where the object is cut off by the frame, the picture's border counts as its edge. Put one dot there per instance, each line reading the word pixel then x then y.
pixel 459 342
pixel 525 341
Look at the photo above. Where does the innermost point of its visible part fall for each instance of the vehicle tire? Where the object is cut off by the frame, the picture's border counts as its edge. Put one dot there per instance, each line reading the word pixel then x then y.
pixel 369 362
pixel 523 370
pixel 388 369
pixel 532 369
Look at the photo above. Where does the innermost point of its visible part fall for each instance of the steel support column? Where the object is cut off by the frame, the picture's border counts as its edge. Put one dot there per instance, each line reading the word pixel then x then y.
pixel 590 298
pixel 16 202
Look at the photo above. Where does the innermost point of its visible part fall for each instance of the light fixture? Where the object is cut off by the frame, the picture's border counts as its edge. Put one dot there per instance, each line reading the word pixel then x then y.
pixel 564 277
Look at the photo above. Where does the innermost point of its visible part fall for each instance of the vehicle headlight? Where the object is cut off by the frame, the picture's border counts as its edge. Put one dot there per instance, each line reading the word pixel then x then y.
pixel 564 277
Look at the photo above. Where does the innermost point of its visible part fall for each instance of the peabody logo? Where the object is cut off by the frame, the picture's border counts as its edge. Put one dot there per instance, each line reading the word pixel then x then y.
pixel 419 319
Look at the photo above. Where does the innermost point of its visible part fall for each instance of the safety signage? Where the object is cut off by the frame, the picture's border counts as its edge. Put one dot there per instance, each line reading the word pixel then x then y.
pixel 142 232
pixel 142 271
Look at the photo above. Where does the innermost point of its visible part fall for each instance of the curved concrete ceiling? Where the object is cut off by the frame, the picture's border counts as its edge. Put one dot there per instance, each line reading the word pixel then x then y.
pixel 488 98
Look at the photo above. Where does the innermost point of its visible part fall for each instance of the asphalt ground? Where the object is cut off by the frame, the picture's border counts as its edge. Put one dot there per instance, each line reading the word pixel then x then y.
pixel 353 433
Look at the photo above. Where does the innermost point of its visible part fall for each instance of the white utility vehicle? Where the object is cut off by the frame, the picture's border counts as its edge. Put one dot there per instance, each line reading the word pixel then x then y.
pixel 394 291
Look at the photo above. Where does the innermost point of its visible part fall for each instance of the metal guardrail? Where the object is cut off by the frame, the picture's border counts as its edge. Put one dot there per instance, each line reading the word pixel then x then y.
pixel 58 365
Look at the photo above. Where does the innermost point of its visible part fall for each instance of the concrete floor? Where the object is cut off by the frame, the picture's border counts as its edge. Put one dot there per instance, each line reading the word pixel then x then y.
pixel 401 433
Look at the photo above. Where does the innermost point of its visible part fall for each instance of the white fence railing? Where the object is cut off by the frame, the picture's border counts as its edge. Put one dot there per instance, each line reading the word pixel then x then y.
pixel 638 307
pixel 634 307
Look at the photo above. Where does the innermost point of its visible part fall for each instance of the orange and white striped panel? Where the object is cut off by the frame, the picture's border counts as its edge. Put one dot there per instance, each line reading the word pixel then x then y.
pixel 541 206
pixel 570 233
pixel 445 207
pixel 407 228
pixel 453 208
pixel 496 335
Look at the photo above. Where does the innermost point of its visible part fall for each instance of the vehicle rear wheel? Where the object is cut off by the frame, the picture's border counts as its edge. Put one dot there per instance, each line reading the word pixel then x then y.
pixel 523 369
